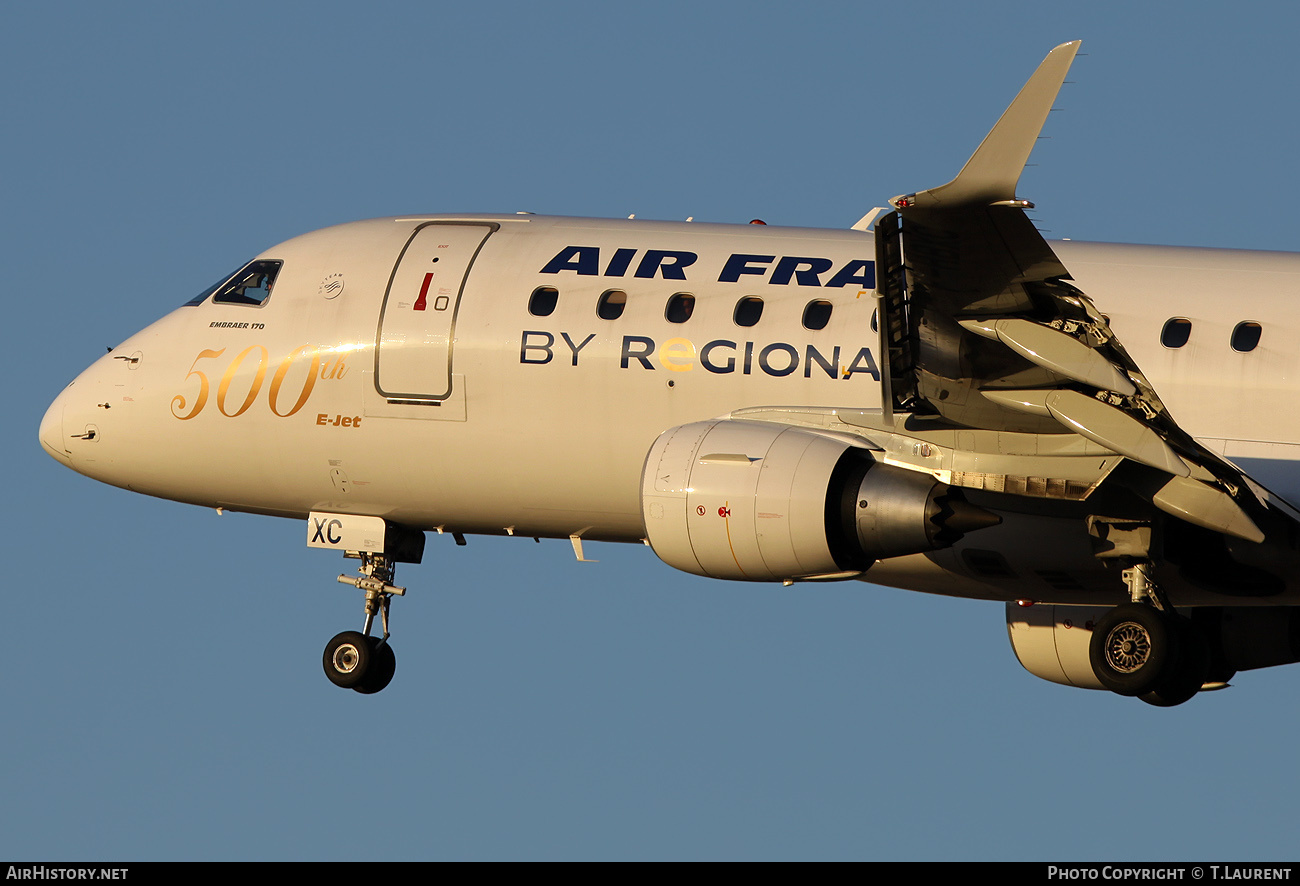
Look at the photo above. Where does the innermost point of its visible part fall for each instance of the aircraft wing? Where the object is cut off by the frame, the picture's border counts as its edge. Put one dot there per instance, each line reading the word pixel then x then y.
pixel 982 329
pixel 998 374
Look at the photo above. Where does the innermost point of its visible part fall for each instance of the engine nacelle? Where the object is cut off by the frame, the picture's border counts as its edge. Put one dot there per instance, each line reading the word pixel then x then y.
pixel 1052 641
pixel 758 501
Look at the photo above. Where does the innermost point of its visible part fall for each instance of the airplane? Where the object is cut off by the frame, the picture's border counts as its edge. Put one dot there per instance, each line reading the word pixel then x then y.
pixel 936 399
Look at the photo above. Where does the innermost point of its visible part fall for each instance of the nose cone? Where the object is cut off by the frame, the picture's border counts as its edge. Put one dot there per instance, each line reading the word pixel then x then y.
pixel 51 433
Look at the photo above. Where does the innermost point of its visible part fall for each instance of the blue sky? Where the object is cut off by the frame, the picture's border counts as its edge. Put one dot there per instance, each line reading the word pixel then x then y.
pixel 162 693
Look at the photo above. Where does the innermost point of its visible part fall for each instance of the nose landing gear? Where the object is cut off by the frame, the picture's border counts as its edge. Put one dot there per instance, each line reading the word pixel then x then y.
pixel 356 660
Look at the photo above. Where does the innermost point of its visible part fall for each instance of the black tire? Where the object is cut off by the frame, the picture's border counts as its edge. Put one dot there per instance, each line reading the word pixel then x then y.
pixel 383 664
pixel 347 658
pixel 1132 648
pixel 1188 674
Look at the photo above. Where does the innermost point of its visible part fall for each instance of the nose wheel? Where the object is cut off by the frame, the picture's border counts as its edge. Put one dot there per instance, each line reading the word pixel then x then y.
pixel 357 660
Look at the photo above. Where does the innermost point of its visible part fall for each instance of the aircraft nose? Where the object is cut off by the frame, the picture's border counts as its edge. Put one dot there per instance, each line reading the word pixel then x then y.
pixel 51 433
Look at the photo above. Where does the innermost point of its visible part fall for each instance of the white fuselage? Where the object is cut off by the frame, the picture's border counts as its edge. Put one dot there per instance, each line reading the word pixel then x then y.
pixel 1237 404
pixel 498 420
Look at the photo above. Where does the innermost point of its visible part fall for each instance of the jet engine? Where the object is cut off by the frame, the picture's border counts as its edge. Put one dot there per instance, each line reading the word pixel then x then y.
pixel 759 501
pixel 1052 641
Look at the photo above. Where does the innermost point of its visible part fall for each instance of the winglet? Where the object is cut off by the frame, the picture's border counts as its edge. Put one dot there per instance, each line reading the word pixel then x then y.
pixel 991 174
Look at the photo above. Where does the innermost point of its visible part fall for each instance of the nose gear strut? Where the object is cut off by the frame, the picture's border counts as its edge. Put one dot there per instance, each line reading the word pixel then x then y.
pixel 376 580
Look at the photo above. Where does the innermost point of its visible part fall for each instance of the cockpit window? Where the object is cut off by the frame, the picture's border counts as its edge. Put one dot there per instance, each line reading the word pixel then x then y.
pixel 250 285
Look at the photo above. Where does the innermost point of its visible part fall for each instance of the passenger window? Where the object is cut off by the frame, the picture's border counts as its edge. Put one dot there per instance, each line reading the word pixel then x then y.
pixel 817 314
pixel 611 304
pixel 250 285
pixel 1246 336
pixel 542 304
pixel 680 307
pixel 1176 332
pixel 748 311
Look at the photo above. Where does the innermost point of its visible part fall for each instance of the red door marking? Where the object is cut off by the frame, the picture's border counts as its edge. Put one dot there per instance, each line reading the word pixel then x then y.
pixel 422 301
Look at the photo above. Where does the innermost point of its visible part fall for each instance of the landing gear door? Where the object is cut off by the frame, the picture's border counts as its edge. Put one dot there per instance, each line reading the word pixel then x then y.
pixel 417 324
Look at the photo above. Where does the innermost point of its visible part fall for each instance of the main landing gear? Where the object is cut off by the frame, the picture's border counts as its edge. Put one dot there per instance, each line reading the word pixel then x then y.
pixel 1144 649
pixel 357 660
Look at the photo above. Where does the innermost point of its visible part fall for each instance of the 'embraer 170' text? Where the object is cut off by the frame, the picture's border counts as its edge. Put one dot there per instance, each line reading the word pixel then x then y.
pixel 671 264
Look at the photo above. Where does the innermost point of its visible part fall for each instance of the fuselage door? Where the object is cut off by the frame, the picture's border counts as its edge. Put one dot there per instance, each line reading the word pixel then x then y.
pixel 417 324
